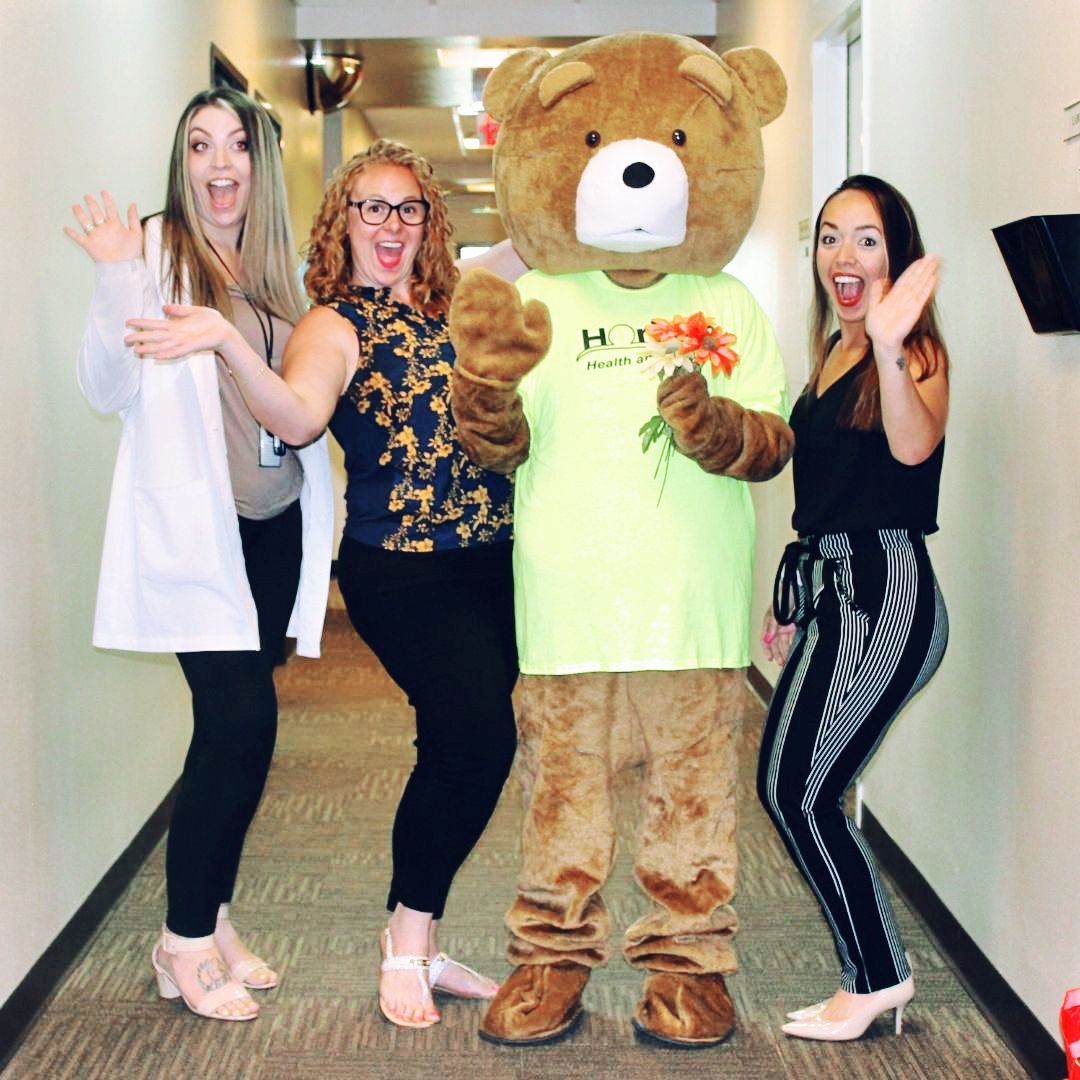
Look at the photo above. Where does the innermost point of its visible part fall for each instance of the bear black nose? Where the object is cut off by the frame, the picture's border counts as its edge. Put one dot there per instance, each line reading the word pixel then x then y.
pixel 638 175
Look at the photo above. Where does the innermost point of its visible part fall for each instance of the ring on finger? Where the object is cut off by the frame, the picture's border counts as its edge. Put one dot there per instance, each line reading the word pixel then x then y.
pixel 89 227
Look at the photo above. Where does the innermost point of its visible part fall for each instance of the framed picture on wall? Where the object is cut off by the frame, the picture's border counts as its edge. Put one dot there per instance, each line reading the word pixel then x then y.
pixel 225 73
pixel 275 120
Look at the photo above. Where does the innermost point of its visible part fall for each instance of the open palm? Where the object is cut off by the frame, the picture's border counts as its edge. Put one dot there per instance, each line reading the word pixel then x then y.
pixel 892 312
pixel 102 234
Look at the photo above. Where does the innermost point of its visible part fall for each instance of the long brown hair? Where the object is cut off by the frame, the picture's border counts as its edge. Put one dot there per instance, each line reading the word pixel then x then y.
pixel 903 245
pixel 328 252
pixel 267 252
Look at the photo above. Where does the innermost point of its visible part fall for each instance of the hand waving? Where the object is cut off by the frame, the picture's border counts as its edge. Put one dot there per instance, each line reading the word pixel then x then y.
pixel 494 334
pixel 892 312
pixel 101 233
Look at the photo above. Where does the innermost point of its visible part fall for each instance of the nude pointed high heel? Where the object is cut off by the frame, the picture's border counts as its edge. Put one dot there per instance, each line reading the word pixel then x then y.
pixel 868 1008
pixel 809 1012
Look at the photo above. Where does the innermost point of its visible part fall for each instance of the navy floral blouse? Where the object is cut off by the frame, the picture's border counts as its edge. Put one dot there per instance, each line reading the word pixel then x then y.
pixel 410 486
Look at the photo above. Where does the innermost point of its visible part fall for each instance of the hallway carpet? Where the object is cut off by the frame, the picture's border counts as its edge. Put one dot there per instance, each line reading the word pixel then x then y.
pixel 311 896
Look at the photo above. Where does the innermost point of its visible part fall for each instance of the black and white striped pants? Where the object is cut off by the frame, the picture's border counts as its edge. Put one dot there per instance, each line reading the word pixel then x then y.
pixel 872 629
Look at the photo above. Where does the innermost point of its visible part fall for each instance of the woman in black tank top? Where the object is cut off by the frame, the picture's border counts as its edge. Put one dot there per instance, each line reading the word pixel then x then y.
pixel 857 618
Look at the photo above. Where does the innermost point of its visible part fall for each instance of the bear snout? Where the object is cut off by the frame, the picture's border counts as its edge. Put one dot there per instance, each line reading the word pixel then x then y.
pixel 638 175
pixel 632 196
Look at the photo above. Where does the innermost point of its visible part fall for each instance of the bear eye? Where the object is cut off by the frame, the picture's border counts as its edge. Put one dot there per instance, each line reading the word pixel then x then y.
pixel 678 137
pixel 592 139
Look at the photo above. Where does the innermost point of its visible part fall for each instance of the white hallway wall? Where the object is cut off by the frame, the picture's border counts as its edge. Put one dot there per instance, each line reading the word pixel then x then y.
pixel 90 740
pixel 978 782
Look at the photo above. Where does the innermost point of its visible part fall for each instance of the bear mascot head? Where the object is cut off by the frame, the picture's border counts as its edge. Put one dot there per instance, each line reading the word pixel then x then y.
pixel 633 152
pixel 627 170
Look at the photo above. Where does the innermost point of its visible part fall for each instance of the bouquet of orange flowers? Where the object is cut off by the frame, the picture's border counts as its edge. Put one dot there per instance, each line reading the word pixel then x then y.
pixel 686 344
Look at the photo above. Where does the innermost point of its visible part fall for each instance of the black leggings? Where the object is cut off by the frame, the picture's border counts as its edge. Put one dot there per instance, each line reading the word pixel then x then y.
pixel 235 711
pixel 872 630
pixel 442 625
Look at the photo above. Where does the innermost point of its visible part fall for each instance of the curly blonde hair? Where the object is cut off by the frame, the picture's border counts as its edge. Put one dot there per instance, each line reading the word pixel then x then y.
pixel 328 252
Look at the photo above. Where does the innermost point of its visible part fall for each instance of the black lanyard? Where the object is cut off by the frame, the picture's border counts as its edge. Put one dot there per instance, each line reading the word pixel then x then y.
pixel 266 331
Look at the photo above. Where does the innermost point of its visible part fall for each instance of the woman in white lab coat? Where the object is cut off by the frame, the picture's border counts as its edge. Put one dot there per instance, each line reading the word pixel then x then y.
pixel 218 538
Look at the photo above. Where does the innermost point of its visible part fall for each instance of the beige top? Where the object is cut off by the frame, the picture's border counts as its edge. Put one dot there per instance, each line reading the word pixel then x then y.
pixel 259 492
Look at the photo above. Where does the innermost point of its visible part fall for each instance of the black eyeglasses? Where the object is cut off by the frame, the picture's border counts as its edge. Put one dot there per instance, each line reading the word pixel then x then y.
pixel 376 211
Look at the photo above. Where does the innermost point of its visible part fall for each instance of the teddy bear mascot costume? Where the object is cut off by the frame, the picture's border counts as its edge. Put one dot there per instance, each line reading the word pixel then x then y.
pixel 627 170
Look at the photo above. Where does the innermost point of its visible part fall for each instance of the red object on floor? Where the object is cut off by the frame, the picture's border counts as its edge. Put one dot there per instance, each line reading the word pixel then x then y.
pixel 1070 1031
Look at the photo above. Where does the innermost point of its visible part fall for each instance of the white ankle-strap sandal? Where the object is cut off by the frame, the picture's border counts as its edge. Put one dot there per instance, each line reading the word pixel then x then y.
pixel 419 964
pixel 209 1003
pixel 439 963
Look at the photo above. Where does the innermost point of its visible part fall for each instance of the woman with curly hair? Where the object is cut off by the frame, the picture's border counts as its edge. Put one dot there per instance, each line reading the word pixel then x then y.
pixel 425 562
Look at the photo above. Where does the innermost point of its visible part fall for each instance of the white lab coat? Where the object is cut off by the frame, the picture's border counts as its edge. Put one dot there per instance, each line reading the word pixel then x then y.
pixel 172 568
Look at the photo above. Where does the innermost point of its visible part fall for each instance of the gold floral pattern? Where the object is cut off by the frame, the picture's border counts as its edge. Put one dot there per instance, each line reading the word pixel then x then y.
pixel 411 487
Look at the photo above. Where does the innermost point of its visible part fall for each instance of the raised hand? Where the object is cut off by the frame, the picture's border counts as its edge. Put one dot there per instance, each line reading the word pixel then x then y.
pixel 102 234
pixel 185 330
pixel 494 335
pixel 893 312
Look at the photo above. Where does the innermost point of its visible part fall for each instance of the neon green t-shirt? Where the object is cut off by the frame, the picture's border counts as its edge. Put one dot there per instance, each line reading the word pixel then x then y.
pixel 606 578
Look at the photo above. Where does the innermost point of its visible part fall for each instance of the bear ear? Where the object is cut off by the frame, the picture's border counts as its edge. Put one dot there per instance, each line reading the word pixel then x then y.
pixel 564 79
pixel 710 75
pixel 762 76
pixel 505 82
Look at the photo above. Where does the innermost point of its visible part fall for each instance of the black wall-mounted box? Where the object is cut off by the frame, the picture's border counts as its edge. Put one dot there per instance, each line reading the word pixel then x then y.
pixel 1043 258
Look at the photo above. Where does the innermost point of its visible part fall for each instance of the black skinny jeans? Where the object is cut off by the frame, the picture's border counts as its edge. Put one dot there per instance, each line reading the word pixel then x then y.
pixel 442 625
pixel 235 712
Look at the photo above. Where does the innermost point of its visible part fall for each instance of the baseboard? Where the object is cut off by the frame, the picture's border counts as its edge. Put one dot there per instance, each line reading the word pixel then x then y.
pixel 1017 1025
pixel 19 1011
pixel 759 684
pixel 1039 1053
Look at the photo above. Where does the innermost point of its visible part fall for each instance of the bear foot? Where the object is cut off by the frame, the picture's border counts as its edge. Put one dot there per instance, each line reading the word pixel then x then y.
pixel 538 1003
pixel 685 1010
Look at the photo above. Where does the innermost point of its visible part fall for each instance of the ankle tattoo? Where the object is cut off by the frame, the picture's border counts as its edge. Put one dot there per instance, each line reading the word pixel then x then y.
pixel 212 974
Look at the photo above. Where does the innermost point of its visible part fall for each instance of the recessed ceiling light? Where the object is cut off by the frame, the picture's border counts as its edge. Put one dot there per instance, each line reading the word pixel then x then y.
pixel 476 59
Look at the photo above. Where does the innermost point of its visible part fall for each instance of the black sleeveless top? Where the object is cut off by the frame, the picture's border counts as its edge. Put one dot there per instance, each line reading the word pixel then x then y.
pixel 848 481
pixel 410 486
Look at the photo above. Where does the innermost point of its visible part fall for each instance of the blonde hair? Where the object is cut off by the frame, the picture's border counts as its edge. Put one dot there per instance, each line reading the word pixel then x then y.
pixel 329 255
pixel 267 253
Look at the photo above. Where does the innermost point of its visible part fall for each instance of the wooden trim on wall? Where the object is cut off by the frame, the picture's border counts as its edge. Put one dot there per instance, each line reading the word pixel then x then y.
pixel 1038 1052
pixel 1017 1025
pixel 29 997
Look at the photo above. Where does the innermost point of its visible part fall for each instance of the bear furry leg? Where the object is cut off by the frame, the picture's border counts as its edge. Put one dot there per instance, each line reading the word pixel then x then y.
pixel 575 732
pixel 687 858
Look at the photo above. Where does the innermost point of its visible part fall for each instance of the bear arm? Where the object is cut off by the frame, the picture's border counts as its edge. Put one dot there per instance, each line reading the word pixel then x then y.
pixel 722 436
pixel 756 447
pixel 490 422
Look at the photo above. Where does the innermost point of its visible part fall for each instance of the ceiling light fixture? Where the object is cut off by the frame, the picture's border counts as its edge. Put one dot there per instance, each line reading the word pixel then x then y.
pixel 475 58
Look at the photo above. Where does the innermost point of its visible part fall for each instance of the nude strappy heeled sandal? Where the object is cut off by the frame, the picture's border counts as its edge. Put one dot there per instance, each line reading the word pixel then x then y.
pixel 211 1001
